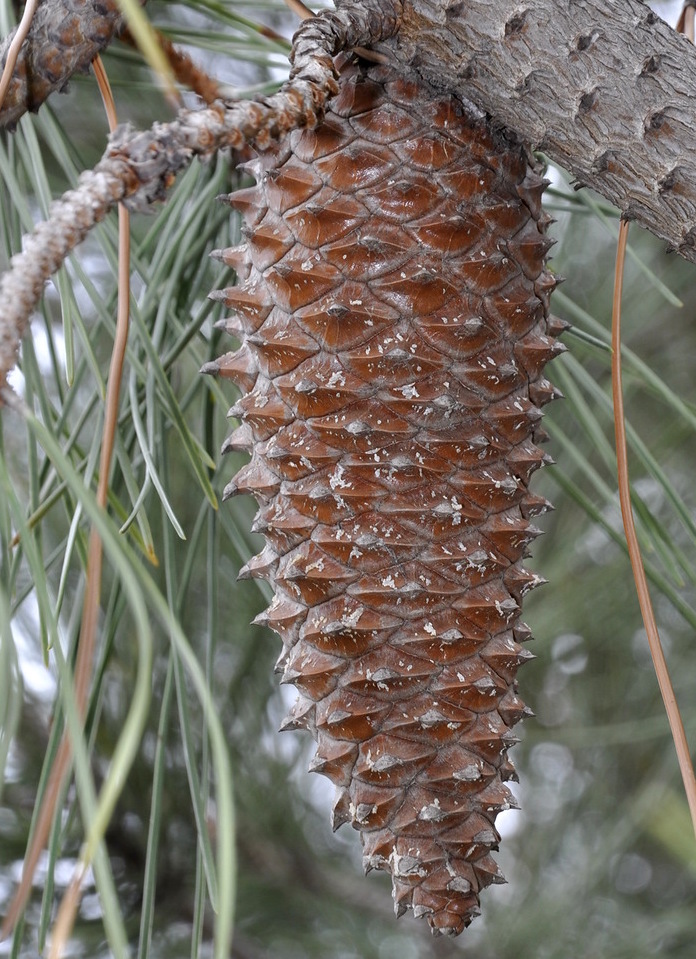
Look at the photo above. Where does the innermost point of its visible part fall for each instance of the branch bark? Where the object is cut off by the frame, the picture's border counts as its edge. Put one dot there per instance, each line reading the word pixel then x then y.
pixel 603 87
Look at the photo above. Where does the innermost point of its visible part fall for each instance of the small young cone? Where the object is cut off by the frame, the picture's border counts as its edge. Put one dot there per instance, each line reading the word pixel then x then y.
pixel 64 37
pixel 393 317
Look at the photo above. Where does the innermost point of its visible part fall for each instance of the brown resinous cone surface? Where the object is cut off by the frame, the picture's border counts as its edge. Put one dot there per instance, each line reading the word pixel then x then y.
pixel 394 325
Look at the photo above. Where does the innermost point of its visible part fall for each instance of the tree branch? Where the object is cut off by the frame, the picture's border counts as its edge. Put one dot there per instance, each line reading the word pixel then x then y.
pixel 604 87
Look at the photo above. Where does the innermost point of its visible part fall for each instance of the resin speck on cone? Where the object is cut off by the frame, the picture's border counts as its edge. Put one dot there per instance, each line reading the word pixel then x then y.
pixel 393 314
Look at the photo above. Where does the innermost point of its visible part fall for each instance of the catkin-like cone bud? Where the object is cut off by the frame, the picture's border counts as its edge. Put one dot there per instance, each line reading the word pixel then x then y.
pixel 394 326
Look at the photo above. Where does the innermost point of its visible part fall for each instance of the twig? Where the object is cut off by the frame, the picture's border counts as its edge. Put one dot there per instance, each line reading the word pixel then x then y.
pixel 137 168
pixel 656 651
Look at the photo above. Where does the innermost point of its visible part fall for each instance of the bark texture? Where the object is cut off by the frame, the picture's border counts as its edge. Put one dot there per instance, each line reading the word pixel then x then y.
pixel 393 313
pixel 604 87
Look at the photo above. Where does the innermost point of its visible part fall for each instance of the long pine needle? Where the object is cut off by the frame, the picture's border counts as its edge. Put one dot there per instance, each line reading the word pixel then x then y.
pixel 656 651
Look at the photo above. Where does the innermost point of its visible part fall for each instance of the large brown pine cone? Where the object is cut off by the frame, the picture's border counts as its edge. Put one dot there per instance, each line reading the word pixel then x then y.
pixel 393 316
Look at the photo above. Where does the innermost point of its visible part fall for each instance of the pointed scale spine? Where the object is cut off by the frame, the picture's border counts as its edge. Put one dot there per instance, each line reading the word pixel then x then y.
pixel 393 313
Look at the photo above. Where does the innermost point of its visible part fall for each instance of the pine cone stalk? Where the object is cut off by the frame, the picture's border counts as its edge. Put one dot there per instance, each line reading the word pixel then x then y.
pixel 393 313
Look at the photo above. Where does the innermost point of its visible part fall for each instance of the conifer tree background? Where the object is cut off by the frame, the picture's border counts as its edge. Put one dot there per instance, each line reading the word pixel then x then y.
pixel 600 861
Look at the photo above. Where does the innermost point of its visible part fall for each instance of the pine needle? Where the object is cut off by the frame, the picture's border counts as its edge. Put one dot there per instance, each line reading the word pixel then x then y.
pixel 671 707
pixel 15 47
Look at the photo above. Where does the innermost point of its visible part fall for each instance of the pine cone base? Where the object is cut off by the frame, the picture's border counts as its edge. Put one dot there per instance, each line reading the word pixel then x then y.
pixel 393 313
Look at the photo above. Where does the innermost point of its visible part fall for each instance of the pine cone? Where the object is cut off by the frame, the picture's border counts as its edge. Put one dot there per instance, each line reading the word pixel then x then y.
pixel 393 316
pixel 64 37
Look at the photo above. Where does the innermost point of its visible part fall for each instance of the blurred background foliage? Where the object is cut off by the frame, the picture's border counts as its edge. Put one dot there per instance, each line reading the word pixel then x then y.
pixel 600 859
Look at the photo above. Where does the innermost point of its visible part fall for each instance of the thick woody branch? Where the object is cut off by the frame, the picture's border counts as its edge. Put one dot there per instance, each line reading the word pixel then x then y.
pixel 604 87
pixel 64 37
pixel 137 168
